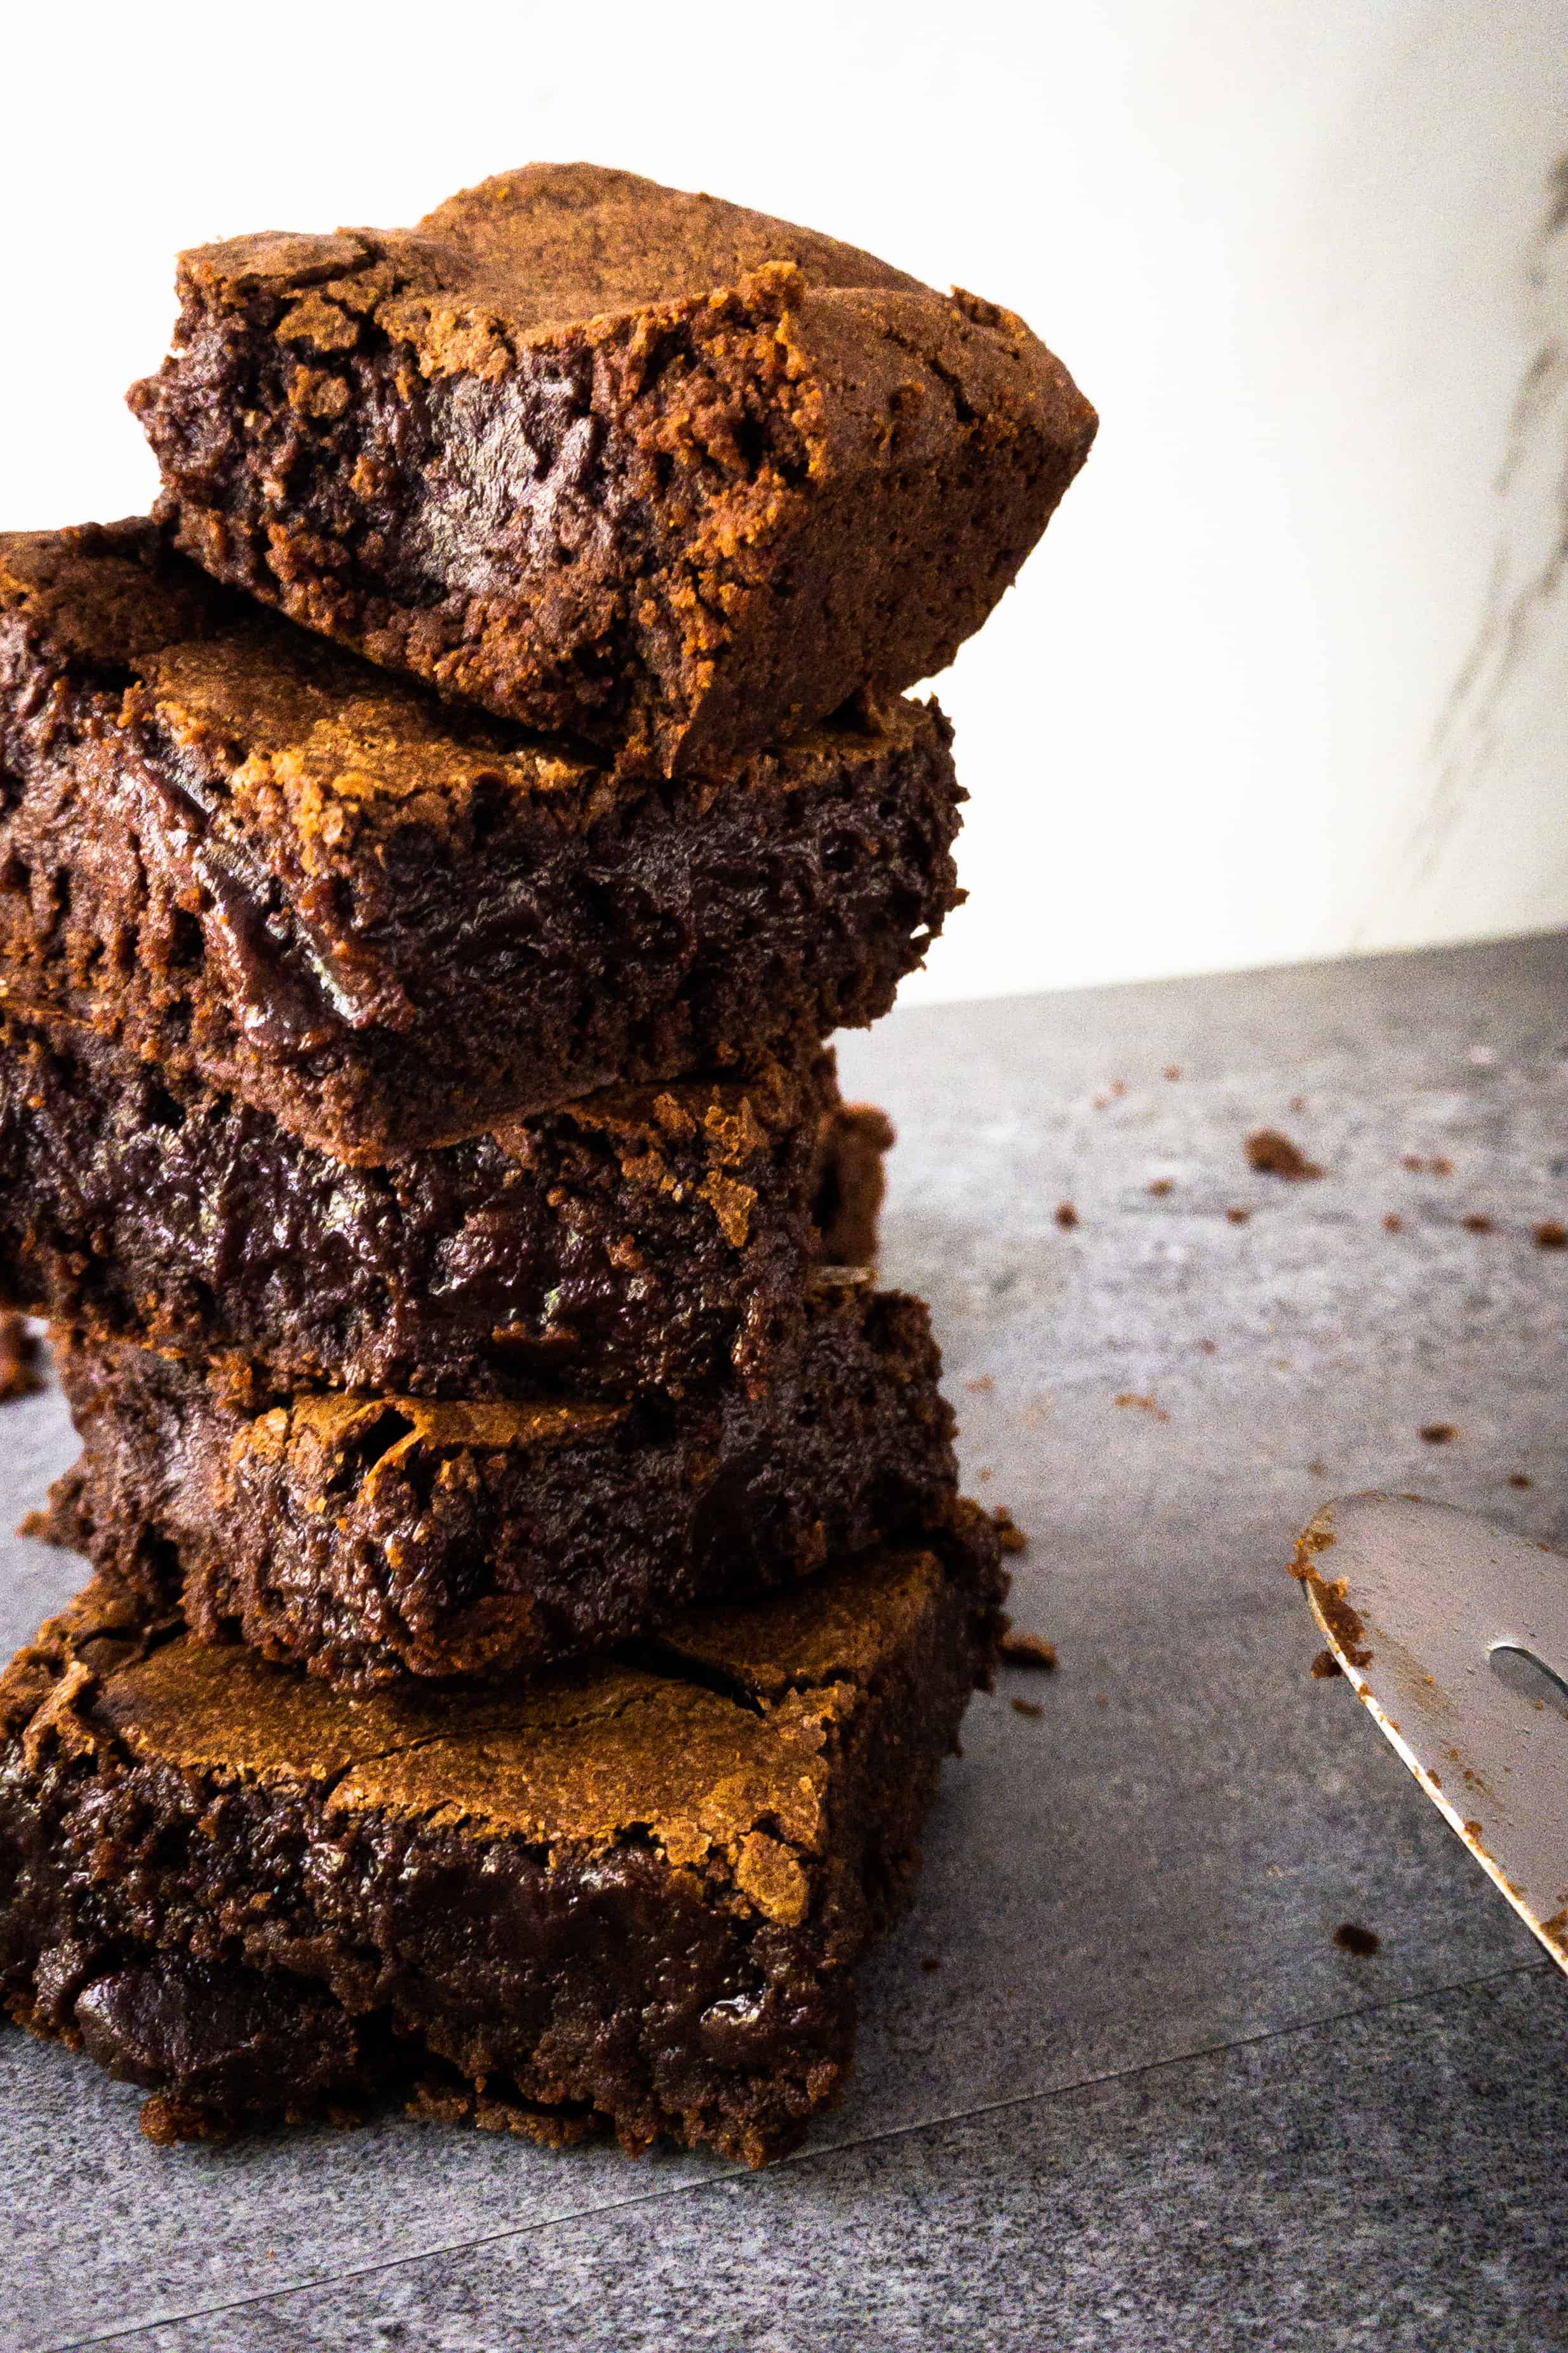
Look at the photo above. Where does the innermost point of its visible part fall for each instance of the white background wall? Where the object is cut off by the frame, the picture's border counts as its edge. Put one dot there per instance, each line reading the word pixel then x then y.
pixel 1287 677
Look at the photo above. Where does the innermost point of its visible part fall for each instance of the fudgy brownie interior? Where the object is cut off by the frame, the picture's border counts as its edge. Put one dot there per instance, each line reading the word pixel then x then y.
pixel 633 1896
pixel 651 1238
pixel 375 1538
pixel 261 862
pixel 607 458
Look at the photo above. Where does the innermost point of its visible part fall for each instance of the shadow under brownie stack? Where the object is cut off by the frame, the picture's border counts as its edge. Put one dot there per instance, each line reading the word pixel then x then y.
pixel 531 1596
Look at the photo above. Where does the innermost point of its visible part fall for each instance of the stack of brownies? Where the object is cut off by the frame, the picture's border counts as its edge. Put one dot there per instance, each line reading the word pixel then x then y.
pixel 532 1598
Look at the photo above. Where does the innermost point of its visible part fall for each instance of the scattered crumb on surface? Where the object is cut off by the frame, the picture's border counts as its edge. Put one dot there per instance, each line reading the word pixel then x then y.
pixel 1519 1479
pixel 981 1386
pixel 1317 1468
pixel 929 1964
pixel 1362 1942
pixel 1019 1649
pixel 1027 1707
pixel 1439 1433
pixel 1550 1235
pixel 1067 1215
pixel 1297 1102
pixel 1437 1165
pixel 19 1373
pixel 1159 1187
pixel 1143 1404
pixel 1477 1223
pixel 1102 1699
pixel 1009 1534
pixel 1394 1223
pixel 1172 1069
pixel 1324 1666
pixel 1209 1347
pixel 1273 1154
pixel 1238 1216
pixel 986 1472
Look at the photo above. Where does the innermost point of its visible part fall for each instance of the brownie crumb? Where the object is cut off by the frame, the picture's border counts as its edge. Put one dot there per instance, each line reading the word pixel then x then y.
pixel 1394 1223
pixel 1475 1223
pixel 1519 1479
pixel 19 1373
pixel 1209 1347
pixel 1159 1187
pixel 1009 1534
pixel 1362 1942
pixel 1439 1433
pixel 1437 1165
pixel 931 1964
pixel 1325 1666
pixel 1238 1216
pixel 1143 1404
pixel 981 1386
pixel 1172 1069
pixel 1273 1155
pixel 1067 1215
pixel 1297 1102
pixel 1550 1235
pixel 1027 1708
pixel 1102 1699
pixel 1018 1649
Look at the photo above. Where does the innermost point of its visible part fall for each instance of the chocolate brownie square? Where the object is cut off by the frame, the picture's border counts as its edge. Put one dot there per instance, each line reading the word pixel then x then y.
pixel 644 1238
pixel 262 863
pixel 632 1895
pixel 609 458
pixel 375 1539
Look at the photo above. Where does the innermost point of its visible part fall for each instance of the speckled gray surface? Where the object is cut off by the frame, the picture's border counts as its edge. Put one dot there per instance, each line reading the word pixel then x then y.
pixel 1143 2100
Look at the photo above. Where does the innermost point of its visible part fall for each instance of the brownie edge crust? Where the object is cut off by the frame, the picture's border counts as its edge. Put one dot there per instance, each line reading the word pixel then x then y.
pixel 608 458
pixel 630 1898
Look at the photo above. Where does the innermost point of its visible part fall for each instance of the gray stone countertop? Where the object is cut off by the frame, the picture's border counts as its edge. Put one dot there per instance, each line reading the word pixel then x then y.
pixel 1118 2086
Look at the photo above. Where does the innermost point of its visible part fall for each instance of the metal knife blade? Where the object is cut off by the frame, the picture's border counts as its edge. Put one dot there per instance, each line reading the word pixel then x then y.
pixel 1428 1609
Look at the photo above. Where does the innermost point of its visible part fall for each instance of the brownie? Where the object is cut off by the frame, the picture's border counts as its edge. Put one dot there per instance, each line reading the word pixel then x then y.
pixel 643 1238
pixel 392 925
pixel 19 1375
pixel 631 1894
pixel 609 458
pixel 857 1138
pixel 373 1539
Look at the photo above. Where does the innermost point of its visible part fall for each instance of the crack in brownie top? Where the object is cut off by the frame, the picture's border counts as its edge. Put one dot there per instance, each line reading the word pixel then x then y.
pixel 288 723
pixel 720 1744
pixel 536 250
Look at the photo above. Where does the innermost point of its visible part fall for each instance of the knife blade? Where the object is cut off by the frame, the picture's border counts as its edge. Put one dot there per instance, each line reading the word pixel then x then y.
pixel 1454 1635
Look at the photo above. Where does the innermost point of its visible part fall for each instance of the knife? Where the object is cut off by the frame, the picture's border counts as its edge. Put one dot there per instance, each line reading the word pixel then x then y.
pixel 1455 1634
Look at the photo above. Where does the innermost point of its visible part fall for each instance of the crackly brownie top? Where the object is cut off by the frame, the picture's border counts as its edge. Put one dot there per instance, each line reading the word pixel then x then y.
pixel 296 720
pixel 531 251
pixel 724 1757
